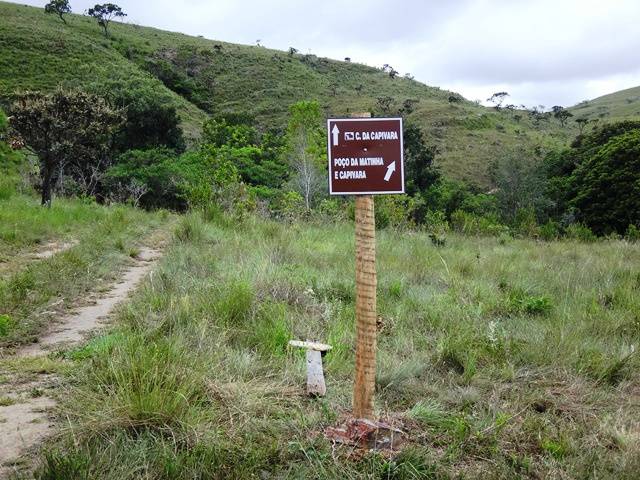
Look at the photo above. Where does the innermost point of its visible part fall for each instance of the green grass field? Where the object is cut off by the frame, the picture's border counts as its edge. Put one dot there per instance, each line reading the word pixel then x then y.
pixel 501 358
pixel 202 77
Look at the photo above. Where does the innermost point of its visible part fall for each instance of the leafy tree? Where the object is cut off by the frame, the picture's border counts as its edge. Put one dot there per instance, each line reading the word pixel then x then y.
pixel 538 114
pixel 151 118
pixel 497 99
pixel 599 167
pixel 520 184
pixel 606 185
pixel 218 132
pixel 156 169
pixel 582 122
pixel 561 114
pixel 59 8
pixel 418 157
pixel 306 150
pixel 66 128
pixel 105 13
pixel 257 159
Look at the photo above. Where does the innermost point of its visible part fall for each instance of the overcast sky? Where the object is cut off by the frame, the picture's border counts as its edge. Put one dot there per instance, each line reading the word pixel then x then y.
pixel 549 52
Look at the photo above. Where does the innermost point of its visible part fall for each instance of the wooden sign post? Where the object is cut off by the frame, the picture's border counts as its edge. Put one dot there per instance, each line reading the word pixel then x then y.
pixel 365 158
pixel 366 285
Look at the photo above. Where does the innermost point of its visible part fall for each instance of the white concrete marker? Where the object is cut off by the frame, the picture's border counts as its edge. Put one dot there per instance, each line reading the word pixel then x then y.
pixel 315 375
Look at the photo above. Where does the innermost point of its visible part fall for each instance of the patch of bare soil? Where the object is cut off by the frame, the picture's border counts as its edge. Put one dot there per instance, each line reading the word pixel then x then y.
pixel 53 248
pixel 25 419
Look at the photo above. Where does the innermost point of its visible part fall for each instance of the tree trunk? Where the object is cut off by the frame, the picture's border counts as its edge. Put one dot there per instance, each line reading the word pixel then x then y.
pixel 47 180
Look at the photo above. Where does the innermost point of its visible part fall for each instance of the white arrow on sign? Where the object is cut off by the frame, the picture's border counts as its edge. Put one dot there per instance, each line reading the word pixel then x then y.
pixel 335 133
pixel 390 169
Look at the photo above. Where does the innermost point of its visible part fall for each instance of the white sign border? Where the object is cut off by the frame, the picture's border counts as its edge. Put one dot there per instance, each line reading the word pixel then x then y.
pixel 375 119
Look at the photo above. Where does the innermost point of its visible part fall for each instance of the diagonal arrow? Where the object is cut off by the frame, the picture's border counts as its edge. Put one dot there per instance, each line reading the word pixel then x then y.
pixel 390 169
pixel 335 133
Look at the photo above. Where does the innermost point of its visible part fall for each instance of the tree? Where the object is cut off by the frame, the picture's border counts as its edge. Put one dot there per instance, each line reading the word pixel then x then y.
pixel 306 149
pixel 59 8
pixel 520 184
pixel 607 185
pixel 151 117
pixel 418 157
pixel 104 14
pixel 66 128
pixel 582 122
pixel 561 114
pixel 497 99
pixel 597 179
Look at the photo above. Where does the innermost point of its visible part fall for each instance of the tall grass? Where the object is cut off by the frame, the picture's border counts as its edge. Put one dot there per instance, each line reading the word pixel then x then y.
pixel 501 360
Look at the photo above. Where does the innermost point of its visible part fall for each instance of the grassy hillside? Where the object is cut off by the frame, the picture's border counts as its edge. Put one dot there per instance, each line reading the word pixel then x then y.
pixel 622 105
pixel 203 77
pixel 500 359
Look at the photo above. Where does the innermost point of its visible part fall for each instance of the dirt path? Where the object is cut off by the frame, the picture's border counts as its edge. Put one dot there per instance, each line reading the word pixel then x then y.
pixel 53 248
pixel 25 416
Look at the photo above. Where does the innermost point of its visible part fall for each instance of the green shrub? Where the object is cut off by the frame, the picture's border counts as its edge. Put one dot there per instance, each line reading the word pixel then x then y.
pixel 290 206
pixel 6 324
pixel 394 211
pixel 578 231
pixel 632 234
pixel 526 223
pixel 549 231
pixel 520 301
pixel 332 209
pixel 470 224
pixel 156 169
pixel 151 116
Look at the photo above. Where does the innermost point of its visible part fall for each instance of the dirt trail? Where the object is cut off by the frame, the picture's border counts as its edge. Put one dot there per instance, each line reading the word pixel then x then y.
pixel 51 249
pixel 25 421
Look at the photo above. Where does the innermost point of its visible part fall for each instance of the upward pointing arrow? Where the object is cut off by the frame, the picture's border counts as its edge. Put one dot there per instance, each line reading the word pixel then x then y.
pixel 335 133
pixel 390 169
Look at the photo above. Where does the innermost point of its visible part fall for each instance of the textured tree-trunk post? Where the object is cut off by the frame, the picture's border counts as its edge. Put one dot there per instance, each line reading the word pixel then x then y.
pixel 366 283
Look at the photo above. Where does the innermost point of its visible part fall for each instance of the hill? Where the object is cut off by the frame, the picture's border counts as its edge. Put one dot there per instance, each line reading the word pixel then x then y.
pixel 204 77
pixel 621 105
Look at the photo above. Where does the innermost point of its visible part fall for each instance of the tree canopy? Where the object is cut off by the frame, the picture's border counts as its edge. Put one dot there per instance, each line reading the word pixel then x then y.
pixel 105 13
pixel 65 128
pixel 59 8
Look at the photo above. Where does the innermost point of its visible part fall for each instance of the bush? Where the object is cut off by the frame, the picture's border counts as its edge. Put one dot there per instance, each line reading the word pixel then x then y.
pixel 394 211
pixel 632 234
pixel 332 209
pixel 151 117
pixel 6 324
pixel 578 231
pixel 156 169
pixel 469 224
pixel 290 206
pixel 549 231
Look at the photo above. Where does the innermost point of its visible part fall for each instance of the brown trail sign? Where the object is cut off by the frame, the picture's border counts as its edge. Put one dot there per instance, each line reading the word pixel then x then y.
pixel 365 158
